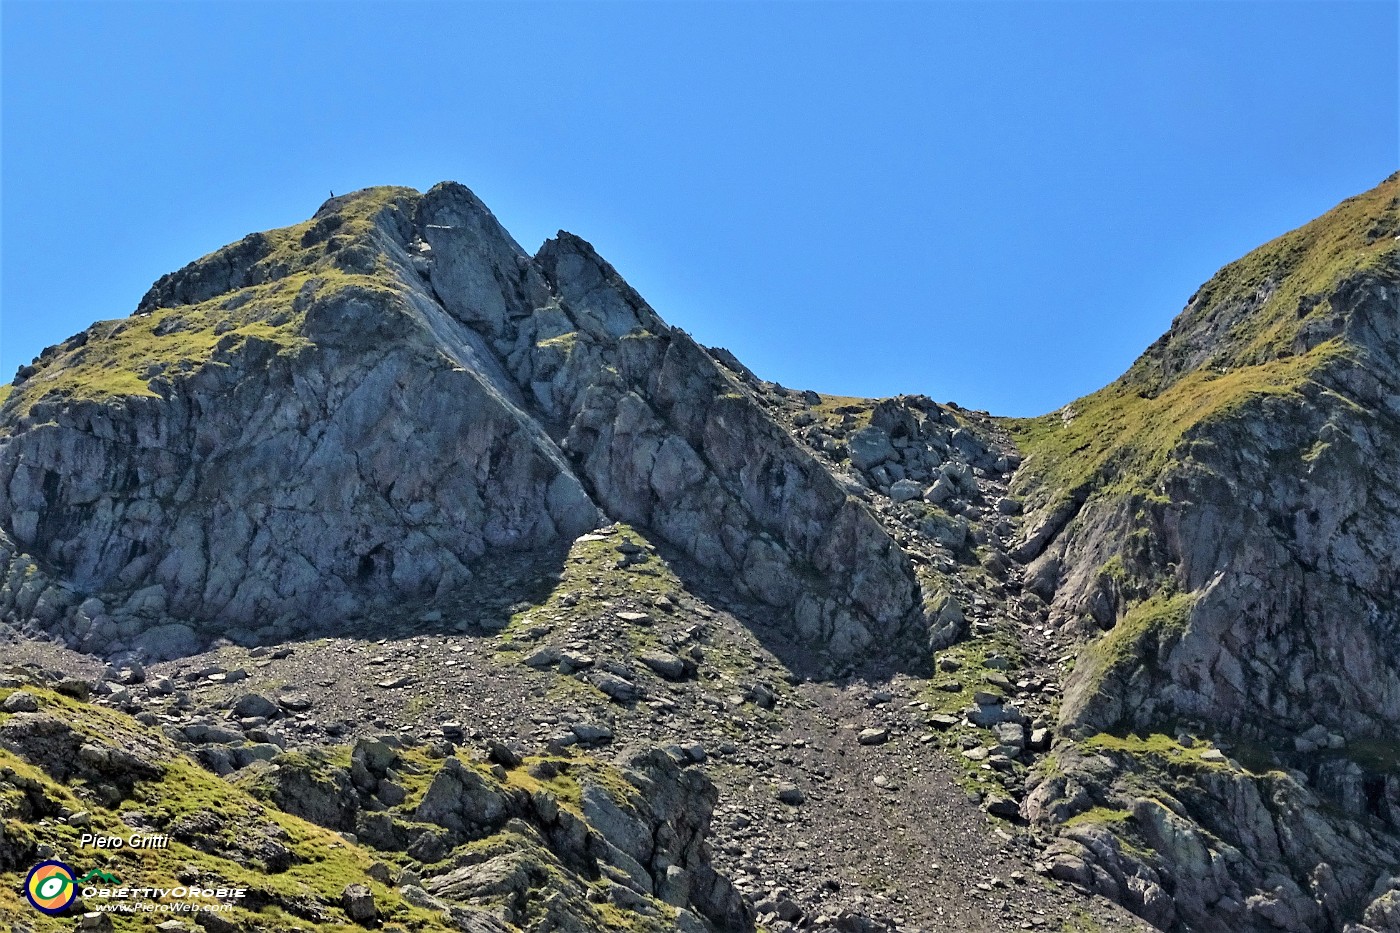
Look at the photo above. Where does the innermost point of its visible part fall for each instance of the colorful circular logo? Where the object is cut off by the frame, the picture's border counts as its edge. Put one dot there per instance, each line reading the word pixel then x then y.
pixel 50 887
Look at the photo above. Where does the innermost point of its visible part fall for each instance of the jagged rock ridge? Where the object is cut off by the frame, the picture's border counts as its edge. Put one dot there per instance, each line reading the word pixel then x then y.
pixel 353 410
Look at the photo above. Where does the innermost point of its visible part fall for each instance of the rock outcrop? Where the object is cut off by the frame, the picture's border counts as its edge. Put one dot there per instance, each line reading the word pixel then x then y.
pixel 1220 525
pixel 475 847
pixel 349 413
pixel 642 826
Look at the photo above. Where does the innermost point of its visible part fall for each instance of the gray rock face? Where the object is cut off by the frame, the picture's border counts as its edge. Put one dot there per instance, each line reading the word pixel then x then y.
pixel 358 903
pixel 21 701
pixel 637 835
pixel 164 642
pixel 647 830
pixel 354 411
pixel 317 792
pixel 460 800
pixel 1246 591
pixel 678 804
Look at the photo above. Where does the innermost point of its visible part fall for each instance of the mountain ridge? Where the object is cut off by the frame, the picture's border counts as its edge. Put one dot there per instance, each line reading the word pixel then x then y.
pixel 1218 544
pixel 485 308
pixel 1153 629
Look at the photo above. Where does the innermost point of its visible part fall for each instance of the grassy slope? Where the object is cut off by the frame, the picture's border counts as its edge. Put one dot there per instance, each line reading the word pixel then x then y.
pixel 1118 439
pixel 326 862
pixel 592 585
pixel 121 357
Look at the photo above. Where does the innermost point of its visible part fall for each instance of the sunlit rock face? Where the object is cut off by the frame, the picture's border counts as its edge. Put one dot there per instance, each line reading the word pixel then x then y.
pixel 1226 544
pixel 353 411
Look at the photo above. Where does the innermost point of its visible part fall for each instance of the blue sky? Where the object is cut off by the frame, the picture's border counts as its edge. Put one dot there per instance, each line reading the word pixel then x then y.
pixel 999 204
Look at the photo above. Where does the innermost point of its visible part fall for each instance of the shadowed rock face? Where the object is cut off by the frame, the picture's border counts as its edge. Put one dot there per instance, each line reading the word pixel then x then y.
pixel 354 410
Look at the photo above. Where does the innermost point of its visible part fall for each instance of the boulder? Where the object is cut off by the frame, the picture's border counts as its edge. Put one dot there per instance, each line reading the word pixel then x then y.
pixel 666 665
pixel 21 701
pixel 255 705
pixel 460 799
pixel 358 904
pixel 873 736
pixel 870 447
pixel 168 642
pixel 904 490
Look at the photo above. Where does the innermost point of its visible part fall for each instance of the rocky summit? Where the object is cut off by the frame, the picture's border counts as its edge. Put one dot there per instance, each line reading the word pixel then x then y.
pixel 402 579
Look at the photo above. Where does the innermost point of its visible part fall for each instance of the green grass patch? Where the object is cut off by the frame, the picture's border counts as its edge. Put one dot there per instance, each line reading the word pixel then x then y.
pixel 971 675
pixel 1117 441
pixel 1099 816
pixel 591 585
pixel 564 341
pixel 1146 630
pixel 1162 748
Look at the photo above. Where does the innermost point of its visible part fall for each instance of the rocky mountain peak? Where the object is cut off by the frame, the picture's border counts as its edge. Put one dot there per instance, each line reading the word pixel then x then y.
pixel 361 406
pixel 1210 526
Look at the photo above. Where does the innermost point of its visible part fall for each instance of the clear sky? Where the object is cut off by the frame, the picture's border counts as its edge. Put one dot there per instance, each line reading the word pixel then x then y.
pixel 999 204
